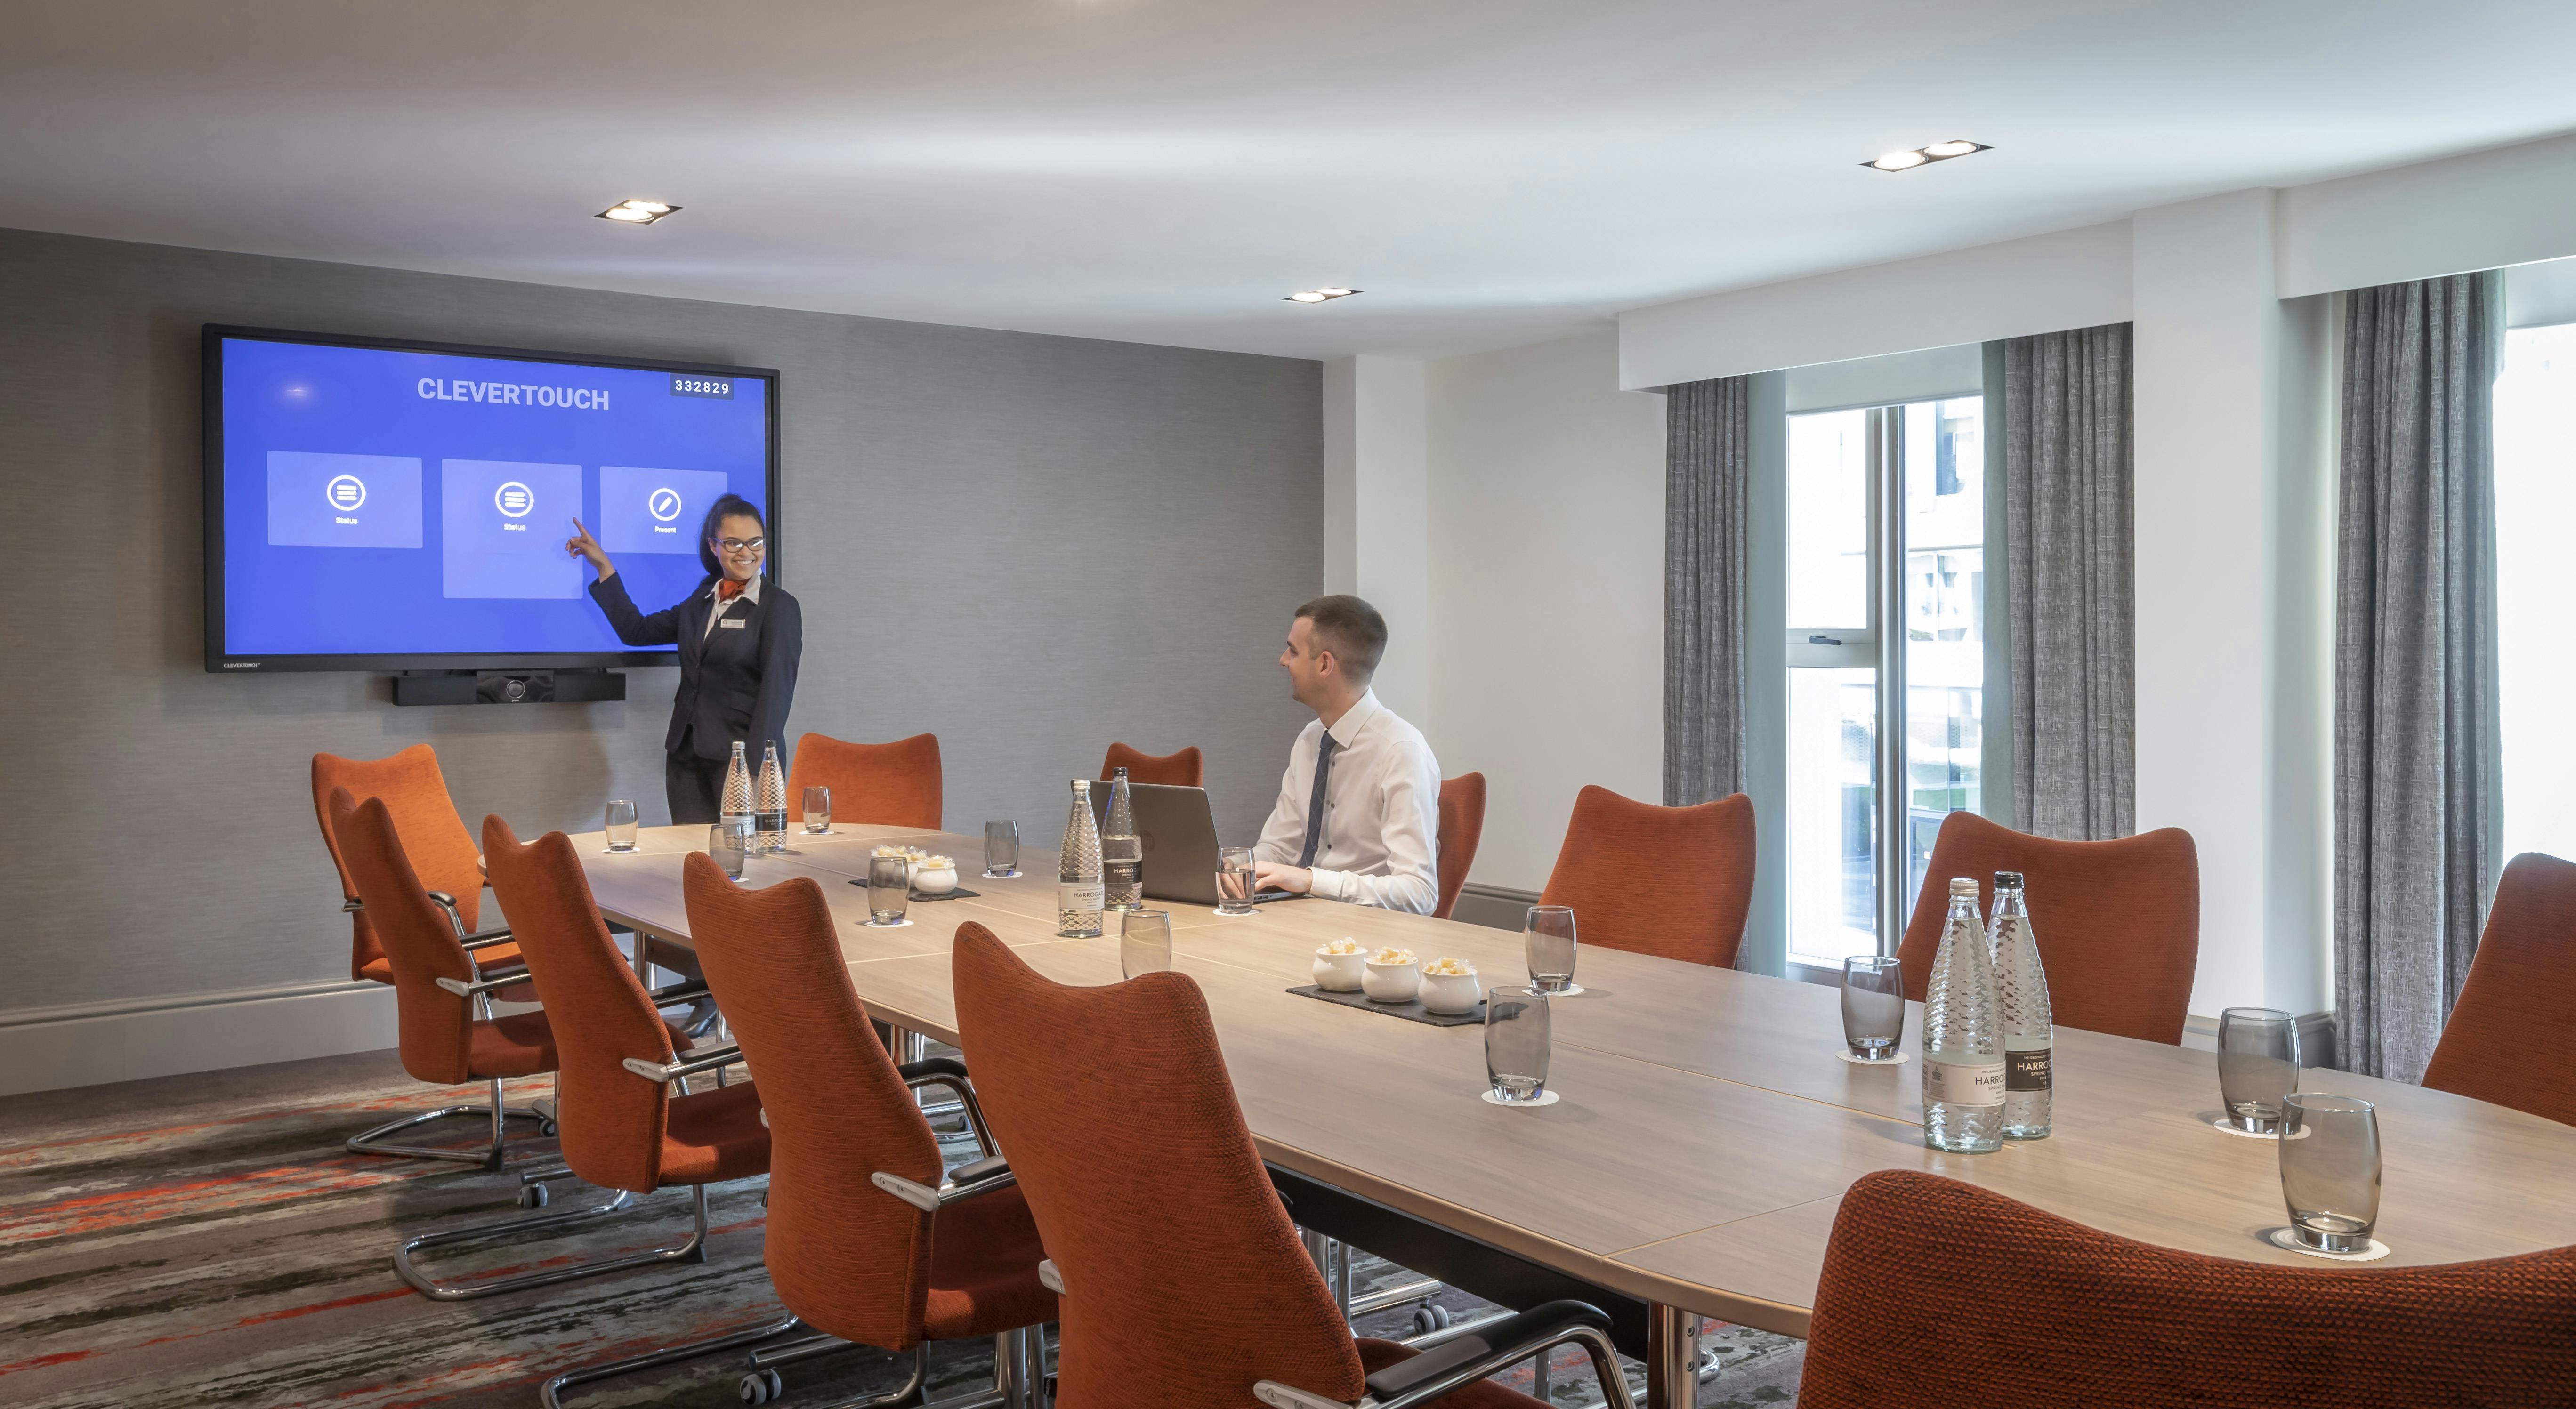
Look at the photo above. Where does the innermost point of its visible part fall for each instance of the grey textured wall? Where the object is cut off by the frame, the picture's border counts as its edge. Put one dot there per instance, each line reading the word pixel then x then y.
pixel 1028 545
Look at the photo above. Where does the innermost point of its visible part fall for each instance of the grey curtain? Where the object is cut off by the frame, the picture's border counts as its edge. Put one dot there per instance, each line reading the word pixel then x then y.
pixel 1707 468
pixel 2415 798
pixel 2068 490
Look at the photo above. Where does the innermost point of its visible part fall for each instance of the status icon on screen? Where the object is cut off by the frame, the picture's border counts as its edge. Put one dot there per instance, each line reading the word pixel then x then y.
pixel 346 492
pixel 514 500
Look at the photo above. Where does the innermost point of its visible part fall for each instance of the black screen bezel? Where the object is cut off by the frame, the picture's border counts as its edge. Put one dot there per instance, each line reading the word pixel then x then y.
pixel 221 662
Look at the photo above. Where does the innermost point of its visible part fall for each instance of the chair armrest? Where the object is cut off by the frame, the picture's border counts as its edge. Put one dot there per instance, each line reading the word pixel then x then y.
pixel 678 993
pixel 1448 1368
pixel 696 1060
pixel 966 1182
pixel 486 939
pixel 352 905
pixel 930 1071
pixel 477 989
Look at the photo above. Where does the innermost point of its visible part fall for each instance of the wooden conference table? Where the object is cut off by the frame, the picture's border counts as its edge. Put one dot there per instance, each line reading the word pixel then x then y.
pixel 1705 1131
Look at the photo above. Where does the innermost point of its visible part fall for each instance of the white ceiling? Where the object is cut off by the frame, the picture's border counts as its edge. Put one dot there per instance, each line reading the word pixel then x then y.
pixel 1489 171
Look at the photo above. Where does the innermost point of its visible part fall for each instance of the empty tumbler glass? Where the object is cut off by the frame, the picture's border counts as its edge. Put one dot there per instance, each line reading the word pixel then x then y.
pixel 889 889
pixel 621 824
pixel 1517 1042
pixel 1234 881
pixel 730 843
pixel 1873 1006
pixel 1144 942
pixel 2330 1170
pixel 1001 850
pixel 2258 1066
pixel 818 811
pixel 1548 938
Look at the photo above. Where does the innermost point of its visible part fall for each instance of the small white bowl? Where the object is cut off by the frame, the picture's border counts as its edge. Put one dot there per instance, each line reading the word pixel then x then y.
pixel 1392 983
pixel 1340 973
pixel 935 880
pixel 1450 994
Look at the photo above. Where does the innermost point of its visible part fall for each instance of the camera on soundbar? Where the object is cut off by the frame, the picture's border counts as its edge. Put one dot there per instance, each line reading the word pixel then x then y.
pixel 510 687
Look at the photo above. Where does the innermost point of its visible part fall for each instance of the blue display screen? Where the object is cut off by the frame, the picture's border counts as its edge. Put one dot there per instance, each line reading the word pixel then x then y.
pixel 385 502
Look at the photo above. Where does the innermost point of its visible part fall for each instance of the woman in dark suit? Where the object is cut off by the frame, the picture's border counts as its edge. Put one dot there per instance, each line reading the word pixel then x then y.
pixel 740 639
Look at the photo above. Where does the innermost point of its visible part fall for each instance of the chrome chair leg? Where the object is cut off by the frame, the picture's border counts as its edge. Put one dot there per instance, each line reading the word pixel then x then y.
pixel 694 1250
pixel 551 1394
pixel 372 1142
pixel 910 1387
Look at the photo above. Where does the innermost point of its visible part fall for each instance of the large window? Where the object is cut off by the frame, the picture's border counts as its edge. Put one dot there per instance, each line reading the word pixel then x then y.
pixel 1886 524
pixel 2535 494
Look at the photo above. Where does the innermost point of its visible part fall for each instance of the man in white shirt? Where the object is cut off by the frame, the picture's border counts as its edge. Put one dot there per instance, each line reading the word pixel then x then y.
pixel 1358 811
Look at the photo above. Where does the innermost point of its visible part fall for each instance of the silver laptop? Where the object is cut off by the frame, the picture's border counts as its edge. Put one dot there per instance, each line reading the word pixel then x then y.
pixel 1178 831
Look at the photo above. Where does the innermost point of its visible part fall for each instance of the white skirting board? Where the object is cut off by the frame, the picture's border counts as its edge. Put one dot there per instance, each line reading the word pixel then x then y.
pixel 94 1043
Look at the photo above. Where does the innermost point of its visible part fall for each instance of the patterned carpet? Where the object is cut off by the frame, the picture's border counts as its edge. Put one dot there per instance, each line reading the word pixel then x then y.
pixel 204 1240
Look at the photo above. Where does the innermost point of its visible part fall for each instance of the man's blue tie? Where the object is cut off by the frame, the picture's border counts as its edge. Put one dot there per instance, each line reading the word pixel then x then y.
pixel 1315 804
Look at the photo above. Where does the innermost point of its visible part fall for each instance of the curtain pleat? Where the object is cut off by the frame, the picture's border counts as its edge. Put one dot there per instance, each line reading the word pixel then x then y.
pixel 2068 485
pixel 1707 467
pixel 2415 704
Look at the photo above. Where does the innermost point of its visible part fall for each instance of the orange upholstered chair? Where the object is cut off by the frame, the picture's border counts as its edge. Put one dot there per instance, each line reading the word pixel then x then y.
pixel 443 1005
pixel 1671 881
pixel 869 1239
pixel 623 1128
pixel 2118 921
pixel 433 836
pixel 1940 1295
pixel 888 785
pixel 2522 983
pixel 1183 1281
pixel 1462 825
pixel 1178 770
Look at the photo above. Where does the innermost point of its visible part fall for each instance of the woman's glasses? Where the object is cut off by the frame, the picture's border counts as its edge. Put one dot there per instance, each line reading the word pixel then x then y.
pixel 736 547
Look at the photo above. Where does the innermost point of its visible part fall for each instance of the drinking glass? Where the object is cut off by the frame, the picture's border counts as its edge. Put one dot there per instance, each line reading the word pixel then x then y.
pixel 818 811
pixel 1873 1006
pixel 1516 1044
pixel 1001 849
pixel 2258 1066
pixel 889 887
pixel 1549 939
pixel 1234 881
pixel 1144 941
pixel 621 824
pixel 2330 1170
pixel 730 843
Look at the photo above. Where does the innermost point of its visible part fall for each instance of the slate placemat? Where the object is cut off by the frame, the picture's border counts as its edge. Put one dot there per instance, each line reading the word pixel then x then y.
pixel 960 893
pixel 1411 1010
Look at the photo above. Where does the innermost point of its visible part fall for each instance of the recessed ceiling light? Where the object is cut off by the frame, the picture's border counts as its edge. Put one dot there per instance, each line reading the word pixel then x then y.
pixel 1322 295
pixel 1337 293
pixel 637 212
pixel 1923 156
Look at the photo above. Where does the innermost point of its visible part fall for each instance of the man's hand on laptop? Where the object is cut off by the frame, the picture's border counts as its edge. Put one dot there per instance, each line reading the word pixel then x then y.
pixel 1270 875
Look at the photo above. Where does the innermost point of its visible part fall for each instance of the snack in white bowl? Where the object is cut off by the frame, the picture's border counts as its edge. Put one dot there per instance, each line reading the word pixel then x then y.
pixel 1393 976
pixel 1450 986
pixel 1340 966
pixel 936 875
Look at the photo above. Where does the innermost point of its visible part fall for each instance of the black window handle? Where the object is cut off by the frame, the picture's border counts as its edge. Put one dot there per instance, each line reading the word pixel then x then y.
pixel 1824 640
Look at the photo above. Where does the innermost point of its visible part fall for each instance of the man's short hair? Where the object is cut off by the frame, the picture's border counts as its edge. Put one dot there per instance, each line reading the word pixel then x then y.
pixel 1351 629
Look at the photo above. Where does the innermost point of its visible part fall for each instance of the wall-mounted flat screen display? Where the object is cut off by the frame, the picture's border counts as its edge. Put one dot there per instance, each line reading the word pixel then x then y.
pixel 384 505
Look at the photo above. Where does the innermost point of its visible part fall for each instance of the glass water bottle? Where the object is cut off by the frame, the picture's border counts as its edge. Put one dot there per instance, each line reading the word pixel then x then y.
pixel 738 799
pixel 1122 854
pixel 773 800
pixel 2021 991
pixel 1963 1050
pixel 1077 890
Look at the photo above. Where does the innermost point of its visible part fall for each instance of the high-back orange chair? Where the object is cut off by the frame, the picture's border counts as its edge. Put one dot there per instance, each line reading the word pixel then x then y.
pixel 623 1128
pixel 2523 982
pixel 2118 921
pixel 1182 1280
pixel 1178 770
pixel 1462 825
pixel 1670 881
pixel 1941 1295
pixel 443 1005
pixel 433 836
pixel 888 785
pixel 869 1240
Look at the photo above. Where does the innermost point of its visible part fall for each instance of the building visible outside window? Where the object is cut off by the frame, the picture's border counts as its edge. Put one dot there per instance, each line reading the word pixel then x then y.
pixel 2535 501
pixel 1927 459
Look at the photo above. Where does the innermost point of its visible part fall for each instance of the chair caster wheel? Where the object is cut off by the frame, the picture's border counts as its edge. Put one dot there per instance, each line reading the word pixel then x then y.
pixel 532 1196
pixel 1430 1316
pixel 761 1386
pixel 548 1129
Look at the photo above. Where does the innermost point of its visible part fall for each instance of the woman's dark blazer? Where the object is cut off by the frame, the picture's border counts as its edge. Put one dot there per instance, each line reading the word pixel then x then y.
pixel 736 682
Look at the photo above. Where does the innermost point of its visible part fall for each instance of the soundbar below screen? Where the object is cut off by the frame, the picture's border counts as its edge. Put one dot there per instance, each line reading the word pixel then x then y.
pixel 386 502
